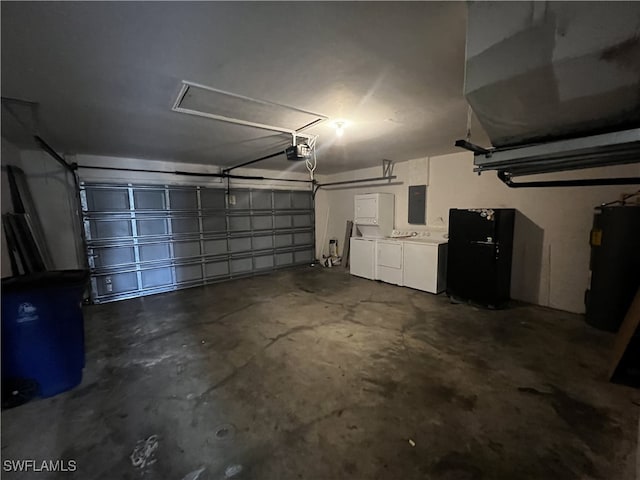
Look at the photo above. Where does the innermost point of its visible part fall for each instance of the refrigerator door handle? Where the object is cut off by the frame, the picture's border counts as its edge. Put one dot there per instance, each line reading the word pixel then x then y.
pixel 485 243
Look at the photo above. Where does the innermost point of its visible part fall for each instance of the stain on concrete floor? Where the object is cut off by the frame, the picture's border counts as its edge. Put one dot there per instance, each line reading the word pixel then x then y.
pixel 315 374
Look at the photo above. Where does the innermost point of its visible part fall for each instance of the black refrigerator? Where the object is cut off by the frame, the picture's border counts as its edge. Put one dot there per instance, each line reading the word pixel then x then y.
pixel 479 255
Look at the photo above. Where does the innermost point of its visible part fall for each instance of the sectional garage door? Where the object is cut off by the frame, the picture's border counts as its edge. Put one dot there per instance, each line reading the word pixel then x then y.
pixel 145 239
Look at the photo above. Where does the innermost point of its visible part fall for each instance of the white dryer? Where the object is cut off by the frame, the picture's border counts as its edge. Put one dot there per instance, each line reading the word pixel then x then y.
pixel 389 261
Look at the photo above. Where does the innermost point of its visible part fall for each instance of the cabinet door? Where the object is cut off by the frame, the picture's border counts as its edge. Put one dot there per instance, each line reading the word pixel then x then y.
pixel 366 210
pixel 421 267
pixel 362 258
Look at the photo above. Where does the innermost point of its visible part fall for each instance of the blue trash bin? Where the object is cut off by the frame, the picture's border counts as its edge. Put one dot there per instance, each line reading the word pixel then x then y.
pixel 43 329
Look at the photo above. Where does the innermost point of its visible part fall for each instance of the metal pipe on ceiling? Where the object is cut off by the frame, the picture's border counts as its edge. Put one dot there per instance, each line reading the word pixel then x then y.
pixel 360 180
pixel 250 162
pixel 581 182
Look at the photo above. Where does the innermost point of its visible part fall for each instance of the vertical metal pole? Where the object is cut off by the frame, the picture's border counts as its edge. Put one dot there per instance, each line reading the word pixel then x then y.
pixel 169 227
pixel 134 233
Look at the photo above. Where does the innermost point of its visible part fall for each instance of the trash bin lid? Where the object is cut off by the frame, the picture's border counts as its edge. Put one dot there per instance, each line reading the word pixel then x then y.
pixel 51 278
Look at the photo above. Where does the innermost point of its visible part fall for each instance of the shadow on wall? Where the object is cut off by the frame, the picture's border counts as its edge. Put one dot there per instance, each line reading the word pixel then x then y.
pixel 527 259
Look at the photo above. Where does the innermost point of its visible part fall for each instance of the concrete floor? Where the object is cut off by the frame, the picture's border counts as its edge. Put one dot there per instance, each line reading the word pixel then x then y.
pixel 314 374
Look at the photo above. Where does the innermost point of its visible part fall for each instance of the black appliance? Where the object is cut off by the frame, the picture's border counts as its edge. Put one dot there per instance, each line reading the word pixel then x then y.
pixel 615 265
pixel 479 255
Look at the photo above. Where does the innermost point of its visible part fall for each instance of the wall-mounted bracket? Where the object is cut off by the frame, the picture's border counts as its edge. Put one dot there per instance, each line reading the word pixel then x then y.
pixel 387 168
pixel 472 147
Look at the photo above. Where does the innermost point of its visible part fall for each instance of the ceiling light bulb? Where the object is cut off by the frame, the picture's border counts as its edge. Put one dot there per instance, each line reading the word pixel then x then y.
pixel 339 129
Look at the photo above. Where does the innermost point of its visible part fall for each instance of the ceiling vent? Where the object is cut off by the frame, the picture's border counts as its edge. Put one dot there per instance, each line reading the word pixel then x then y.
pixel 208 102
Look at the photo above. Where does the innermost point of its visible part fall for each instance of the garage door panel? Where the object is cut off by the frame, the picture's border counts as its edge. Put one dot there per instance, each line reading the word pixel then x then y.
pixel 183 199
pixel 144 199
pixel 262 242
pixel 158 226
pixel 212 199
pixel 117 283
pixel 301 220
pixel 241 265
pixel 261 200
pixel 303 256
pixel 108 199
pixel 145 238
pixel 186 249
pixel 185 225
pixel 283 259
pixel 239 244
pixel 154 252
pixel 188 273
pixel 282 200
pixel 283 221
pixel 101 229
pixel 263 262
pixel 261 222
pixel 217 269
pixel 301 200
pixel 239 224
pixel 284 240
pixel 214 223
pixel 113 256
pixel 304 238
pixel 242 200
pixel 156 277
pixel 215 247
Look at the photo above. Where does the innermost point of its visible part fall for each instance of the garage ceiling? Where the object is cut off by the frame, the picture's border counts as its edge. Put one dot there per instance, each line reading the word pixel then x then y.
pixel 105 76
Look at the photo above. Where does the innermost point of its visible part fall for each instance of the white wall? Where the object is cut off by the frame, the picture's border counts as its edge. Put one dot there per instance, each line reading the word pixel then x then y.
pixel 334 205
pixel 53 193
pixel 561 216
pixel 108 176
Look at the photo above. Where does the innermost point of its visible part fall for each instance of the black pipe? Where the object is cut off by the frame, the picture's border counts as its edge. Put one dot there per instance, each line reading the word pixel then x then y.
pixel 250 162
pixel 304 127
pixel 472 147
pixel 275 179
pixel 47 148
pixel 195 174
pixel 362 180
pixel 584 182
pixel 141 170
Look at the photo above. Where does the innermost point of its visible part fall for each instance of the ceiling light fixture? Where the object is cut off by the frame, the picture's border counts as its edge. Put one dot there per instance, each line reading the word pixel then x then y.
pixel 340 125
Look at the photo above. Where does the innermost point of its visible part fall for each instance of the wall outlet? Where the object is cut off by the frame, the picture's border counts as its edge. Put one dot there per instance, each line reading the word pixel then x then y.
pixel 231 199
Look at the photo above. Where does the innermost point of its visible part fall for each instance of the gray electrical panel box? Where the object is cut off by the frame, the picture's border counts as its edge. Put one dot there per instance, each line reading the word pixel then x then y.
pixel 417 204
